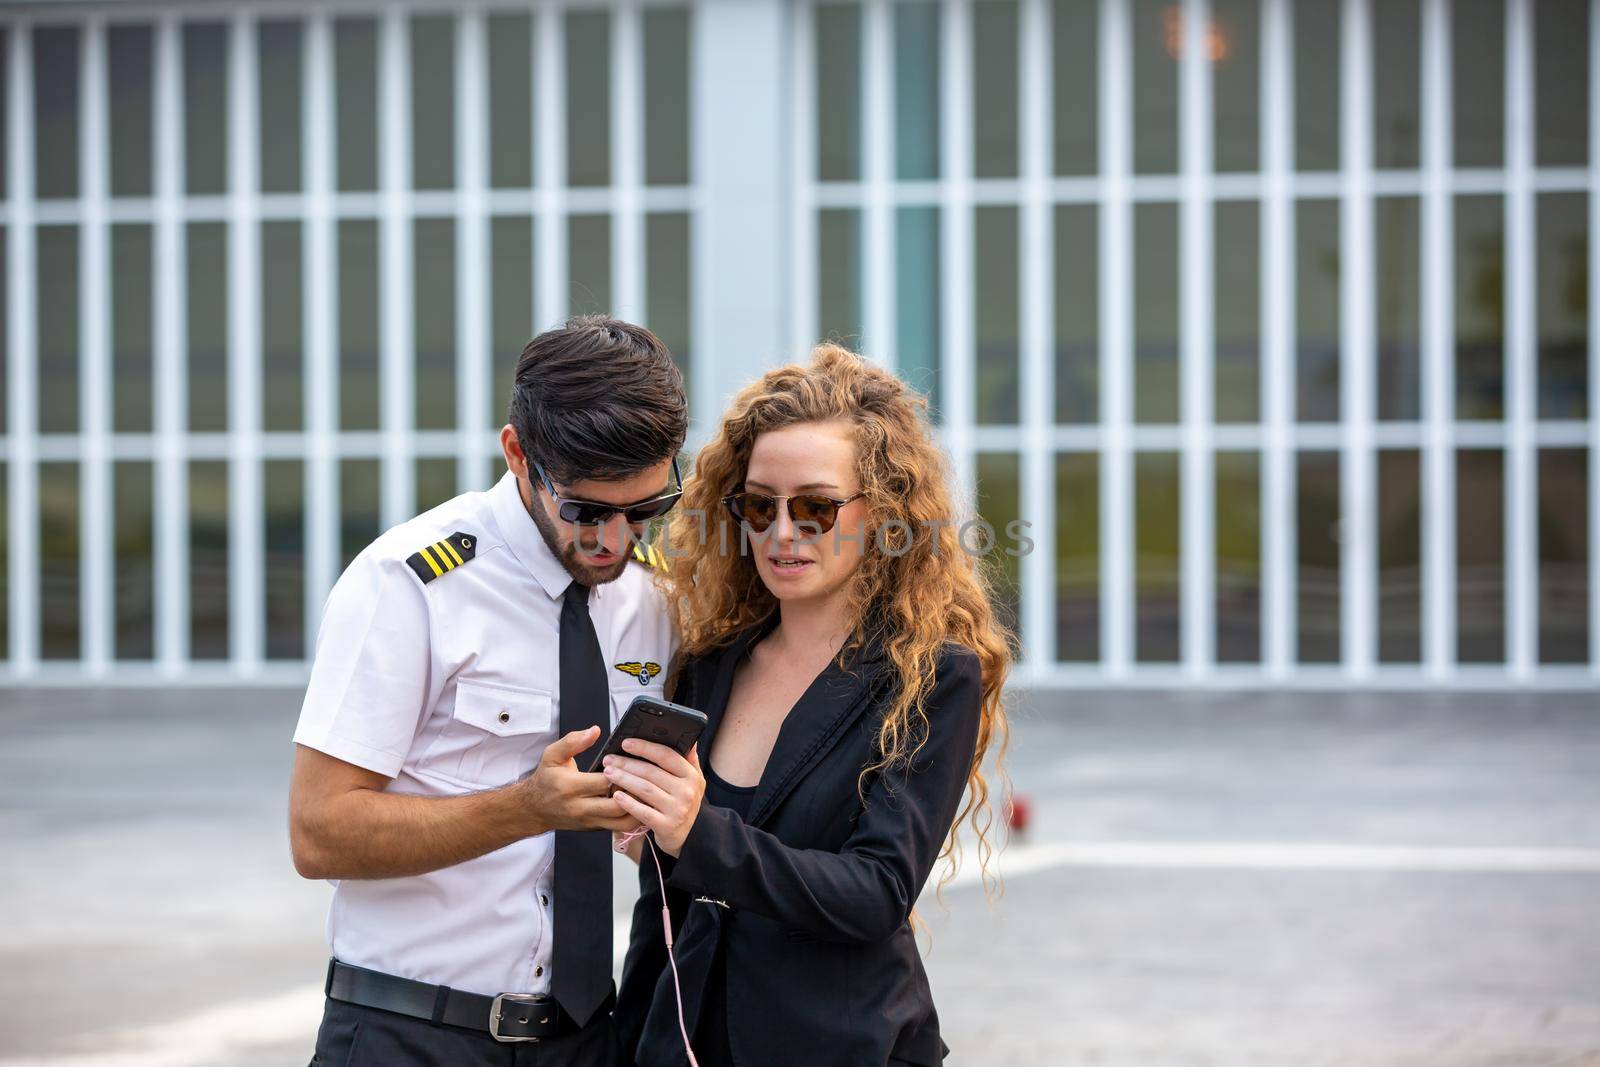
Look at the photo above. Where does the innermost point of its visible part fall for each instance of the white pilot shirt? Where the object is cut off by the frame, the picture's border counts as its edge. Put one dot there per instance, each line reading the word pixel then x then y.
pixel 452 686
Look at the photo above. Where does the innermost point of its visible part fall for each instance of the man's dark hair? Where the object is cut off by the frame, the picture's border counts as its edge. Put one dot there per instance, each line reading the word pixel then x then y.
pixel 598 398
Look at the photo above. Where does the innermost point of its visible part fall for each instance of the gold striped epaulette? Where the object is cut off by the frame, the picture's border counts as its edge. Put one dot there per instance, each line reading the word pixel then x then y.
pixel 441 556
pixel 650 556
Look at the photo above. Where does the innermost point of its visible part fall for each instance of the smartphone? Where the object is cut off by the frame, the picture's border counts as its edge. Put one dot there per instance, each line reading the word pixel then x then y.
pixel 656 720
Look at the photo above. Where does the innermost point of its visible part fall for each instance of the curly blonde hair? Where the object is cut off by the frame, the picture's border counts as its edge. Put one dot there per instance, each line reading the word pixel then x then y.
pixel 916 592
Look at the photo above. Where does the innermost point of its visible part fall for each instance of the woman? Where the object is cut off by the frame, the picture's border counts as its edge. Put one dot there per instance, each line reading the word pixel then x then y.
pixel 843 648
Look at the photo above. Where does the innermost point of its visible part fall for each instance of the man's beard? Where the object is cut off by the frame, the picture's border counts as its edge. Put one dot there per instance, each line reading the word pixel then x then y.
pixel 573 560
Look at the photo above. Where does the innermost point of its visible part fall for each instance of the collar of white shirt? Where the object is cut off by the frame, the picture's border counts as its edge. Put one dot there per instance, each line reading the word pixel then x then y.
pixel 524 539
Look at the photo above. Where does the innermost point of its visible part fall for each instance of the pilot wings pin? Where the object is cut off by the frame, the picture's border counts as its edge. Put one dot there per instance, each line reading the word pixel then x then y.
pixel 642 671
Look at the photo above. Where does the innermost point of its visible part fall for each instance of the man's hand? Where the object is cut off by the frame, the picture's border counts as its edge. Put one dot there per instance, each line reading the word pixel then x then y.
pixel 558 796
pixel 344 824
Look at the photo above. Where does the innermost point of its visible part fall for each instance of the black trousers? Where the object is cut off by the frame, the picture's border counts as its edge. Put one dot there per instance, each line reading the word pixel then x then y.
pixel 353 1036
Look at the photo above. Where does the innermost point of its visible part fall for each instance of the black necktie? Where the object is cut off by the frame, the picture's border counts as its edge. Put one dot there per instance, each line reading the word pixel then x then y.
pixel 581 954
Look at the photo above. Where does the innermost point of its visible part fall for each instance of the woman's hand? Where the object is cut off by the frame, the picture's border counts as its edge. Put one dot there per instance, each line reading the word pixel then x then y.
pixel 659 788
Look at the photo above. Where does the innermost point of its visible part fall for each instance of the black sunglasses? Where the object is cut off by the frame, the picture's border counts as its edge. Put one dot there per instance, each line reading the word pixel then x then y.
pixel 759 510
pixel 593 513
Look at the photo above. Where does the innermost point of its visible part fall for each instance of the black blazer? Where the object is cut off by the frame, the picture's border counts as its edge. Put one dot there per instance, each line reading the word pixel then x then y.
pixel 822 964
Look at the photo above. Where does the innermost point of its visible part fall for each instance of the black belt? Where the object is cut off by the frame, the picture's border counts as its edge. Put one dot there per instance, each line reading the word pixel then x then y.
pixel 507 1017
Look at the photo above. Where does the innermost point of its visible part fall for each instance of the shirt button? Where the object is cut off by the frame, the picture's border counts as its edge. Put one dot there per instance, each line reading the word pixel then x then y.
pixel 538 972
pixel 544 900
pixel 505 716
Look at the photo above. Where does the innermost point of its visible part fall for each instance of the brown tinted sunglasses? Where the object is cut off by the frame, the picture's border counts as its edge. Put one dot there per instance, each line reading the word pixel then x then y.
pixel 759 511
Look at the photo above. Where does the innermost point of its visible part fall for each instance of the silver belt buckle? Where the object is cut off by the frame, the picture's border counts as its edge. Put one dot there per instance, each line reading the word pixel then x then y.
pixel 497 1012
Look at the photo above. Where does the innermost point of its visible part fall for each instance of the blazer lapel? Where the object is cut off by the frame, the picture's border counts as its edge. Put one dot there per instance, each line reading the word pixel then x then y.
pixel 834 700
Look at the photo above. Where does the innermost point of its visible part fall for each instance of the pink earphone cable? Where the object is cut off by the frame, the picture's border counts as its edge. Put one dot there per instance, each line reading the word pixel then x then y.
pixel 621 845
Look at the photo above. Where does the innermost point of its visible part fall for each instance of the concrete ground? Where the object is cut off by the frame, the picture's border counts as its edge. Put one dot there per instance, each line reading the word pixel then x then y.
pixel 1216 879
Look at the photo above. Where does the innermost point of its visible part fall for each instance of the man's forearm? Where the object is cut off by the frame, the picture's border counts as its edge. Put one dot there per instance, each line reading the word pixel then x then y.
pixel 365 833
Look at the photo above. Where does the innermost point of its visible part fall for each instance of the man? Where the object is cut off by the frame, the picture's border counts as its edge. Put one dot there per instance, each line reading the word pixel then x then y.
pixel 469 664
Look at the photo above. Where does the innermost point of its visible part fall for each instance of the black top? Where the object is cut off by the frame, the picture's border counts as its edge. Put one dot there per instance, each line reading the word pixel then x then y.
pixel 821 962
pixel 723 795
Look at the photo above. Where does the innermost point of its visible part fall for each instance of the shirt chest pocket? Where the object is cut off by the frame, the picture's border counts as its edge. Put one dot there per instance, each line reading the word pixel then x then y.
pixel 494 735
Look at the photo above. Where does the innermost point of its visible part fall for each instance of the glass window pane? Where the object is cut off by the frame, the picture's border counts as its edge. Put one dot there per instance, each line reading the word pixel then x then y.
pixel 1398 259
pixel 1478 62
pixel 1238 556
pixel 994 89
pixel 435 482
pixel 996 285
pixel 205 106
pixel 55 111
pixel 356 74
pixel 208 326
pixel 1561 82
pixel 1157 46
pixel 589 264
pixel 1237 293
pixel 358 507
pixel 1317 569
pixel 282 327
pixel 57 303
pixel 1562 293
pixel 1564 566
pixel 998 506
pixel 667 282
pixel 1317 309
pixel 132 341
pixel 129 59
pixel 208 560
pixel 588 98
pixel 1399 557
pixel 358 324
pixel 1077 313
pixel 1156 566
pixel 510 101
pixel 133 576
pixel 1316 84
pixel 434 320
pixel 917 272
pixel 278 47
pixel 916 90
pixel 1480 307
pixel 1397 83
pixel 666 97
pixel 283 482
pixel 1480 556
pixel 60 526
pixel 1155 331
pixel 838 92
pixel 1075 74
pixel 511 252
pixel 1078 557
pixel 1236 84
pixel 433 102
pixel 839 275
